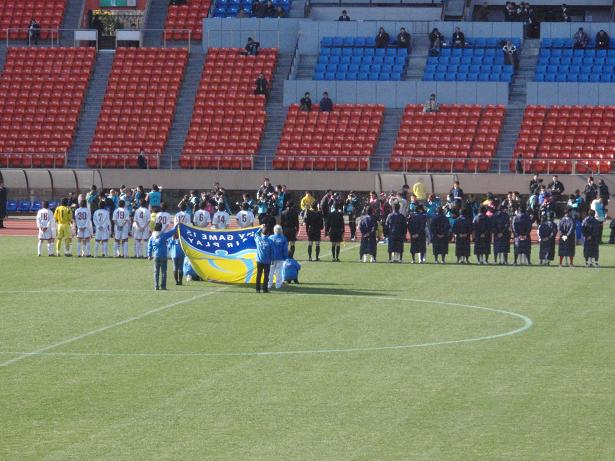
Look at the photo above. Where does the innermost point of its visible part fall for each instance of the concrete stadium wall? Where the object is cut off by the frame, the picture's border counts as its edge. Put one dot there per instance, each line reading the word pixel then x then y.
pixel 568 29
pixel 570 93
pixel 41 184
pixel 366 13
pixel 398 94
pixel 234 32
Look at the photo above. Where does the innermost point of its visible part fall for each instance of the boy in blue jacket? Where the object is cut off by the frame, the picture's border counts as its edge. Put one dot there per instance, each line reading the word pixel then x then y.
pixel 291 270
pixel 264 253
pixel 279 254
pixel 157 251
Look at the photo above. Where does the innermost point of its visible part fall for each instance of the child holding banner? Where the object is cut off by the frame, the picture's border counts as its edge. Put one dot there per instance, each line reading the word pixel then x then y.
pixel 264 254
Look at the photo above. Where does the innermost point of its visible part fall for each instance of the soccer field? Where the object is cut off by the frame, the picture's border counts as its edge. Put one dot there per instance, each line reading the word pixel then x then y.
pixel 358 362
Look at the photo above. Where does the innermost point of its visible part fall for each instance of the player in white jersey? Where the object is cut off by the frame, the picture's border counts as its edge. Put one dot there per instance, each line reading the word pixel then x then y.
pixel 221 219
pixel 202 217
pixel 245 218
pixel 140 229
pixel 121 221
pixel 164 218
pixel 46 224
pixel 102 229
pixel 83 223
pixel 182 217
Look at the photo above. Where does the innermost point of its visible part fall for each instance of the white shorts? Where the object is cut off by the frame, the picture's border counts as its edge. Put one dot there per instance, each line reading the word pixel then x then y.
pixel 45 235
pixel 84 232
pixel 102 234
pixel 121 233
pixel 140 234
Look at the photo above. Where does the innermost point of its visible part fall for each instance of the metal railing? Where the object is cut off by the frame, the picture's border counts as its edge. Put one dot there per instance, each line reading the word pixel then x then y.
pixel 52 36
pixel 294 63
pixel 33 160
pixel 124 161
pixel 237 38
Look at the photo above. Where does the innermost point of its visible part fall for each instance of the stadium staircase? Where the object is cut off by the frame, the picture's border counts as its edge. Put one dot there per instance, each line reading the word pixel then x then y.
pixel 72 20
pixel 276 115
pixel 2 54
pixel 516 105
pixel 156 17
pixel 305 70
pixel 89 115
pixel 418 57
pixel 183 111
pixel 386 141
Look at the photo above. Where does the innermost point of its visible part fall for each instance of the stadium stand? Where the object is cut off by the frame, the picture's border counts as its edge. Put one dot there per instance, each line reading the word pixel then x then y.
pixel 481 60
pixel 355 58
pixel 567 139
pixel 558 61
pixel 139 105
pixel 228 118
pixel 340 140
pixel 41 93
pixel 457 138
pixel 230 8
pixel 189 16
pixel 16 15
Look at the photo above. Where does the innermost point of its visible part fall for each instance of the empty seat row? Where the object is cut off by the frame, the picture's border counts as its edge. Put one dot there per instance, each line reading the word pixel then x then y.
pixel 568 43
pixel 186 21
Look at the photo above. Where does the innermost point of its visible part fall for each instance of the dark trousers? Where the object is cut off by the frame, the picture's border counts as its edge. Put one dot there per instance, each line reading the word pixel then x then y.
pixel 352 224
pixel 262 270
pixel 160 272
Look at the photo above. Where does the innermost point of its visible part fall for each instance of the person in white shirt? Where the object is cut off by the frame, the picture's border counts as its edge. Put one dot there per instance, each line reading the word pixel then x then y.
pixel 121 221
pixel 140 229
pixel 164 218
pixel 182 217
pixel 102 229
pixel 245 218
pixel 83 223
pixel 46 224
pixel 202 217
pixel 221 219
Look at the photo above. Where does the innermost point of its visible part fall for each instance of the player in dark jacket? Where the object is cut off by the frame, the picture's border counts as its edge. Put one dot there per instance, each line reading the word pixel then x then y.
pixel 336 231
pixel 591 243
pixel 290 226
pixel 567 238
pixel 481 227
pixel 500 225
pixel 313 226
pixel 522 228
pixel 440 233
pixel 395 225
pixel 368 225
pixel 462 229
pixel 417 227
pixel 547 233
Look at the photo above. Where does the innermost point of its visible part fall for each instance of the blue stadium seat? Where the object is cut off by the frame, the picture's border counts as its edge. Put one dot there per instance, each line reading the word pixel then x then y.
pixel 549 77
pixel 445 52
pixel 594 78
pixel 456 52
pixel 11 206
pixel 357 51
pixel 385 76
pixel 336 51
pixel 359 41
pixel 483 77
pixel 340 76
pixel 396 76
pixel 356 59
pixel 24 206
pixel 475 68
pixel 342 67
pixel 326 41
pixel 556 52
pixel 402 52
pixel 583 78
pixel 364 68
pixel 338 41
pixel 560 78
pixel 36 205
pixel 572 77
pixel 380 51
pixel 362 76
pixel 439 76
pixel 429 76
pixel 387 68
pixel 329 75
pixel 345 59
pixel 539 77
pixel 370 41
pixel 466 60
pixel 557 43
pixel 378 59
pixel 601 53
pixel 319 76
pixel 391 52
pixel 480 42
pixel 368 52
pixel 331 68
pixel 462 76
pixel 347 52
pixel 577 60
pixel 351 75
pixel 472 76
pixel 605 78
pixel 353 68
pixel 374 75
pixel 567 52
pixel 375 68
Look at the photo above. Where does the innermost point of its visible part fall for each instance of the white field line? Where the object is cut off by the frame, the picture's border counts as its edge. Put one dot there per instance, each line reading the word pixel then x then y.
pixel 108 327
pixel 527 324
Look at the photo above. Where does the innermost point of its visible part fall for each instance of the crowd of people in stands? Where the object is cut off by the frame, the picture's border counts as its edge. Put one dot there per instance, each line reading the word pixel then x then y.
pixel 410 214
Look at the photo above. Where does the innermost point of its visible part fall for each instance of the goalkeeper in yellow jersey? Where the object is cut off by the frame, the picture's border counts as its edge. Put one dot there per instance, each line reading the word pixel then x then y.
pixel 64 217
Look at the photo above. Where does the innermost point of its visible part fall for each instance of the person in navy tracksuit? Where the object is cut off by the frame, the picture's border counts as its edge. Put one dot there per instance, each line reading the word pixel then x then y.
pixel 501 235
pixel 481 227
pixel 368 225
pixel 591 229
pixel 440 233
pixel 547 232
pixel 264 255
pixel 567 238
pixel 417 227
pixel 522 228
pixel 462 229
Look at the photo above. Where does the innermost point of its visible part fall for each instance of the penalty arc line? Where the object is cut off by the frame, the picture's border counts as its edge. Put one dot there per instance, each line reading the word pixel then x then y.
pixel 527 324
pixel 64 342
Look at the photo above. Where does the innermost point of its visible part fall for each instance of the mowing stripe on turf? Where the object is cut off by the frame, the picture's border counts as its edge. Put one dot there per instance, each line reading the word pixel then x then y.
pixel 527 324
pixel 109 327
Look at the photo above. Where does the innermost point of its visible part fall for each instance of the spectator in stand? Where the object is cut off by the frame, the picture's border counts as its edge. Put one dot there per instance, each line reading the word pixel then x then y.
pixel 511 56
pixel 326 105
pixel 3 197
pixel 482 13
pixel 382 38
pixel 34 31
pixel 257 10
pixel 344 16
pixel 565 16
pixel 458 39
pixel 436 39
pixel 305 104
pixel 431 105
pixel 243 13
pixel 519 165
pixel 142 160
pixel 262 86
pixel 403 39
pixel 580 39
pixel 602 40
pixel 510 12
pixel 279 12
pixel 251 47
pixel 526 14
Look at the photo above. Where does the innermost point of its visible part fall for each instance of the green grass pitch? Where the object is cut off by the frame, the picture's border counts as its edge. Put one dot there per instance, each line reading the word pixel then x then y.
pixel 359 362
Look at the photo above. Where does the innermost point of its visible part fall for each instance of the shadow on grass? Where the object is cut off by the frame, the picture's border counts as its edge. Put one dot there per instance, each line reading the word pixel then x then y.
pixel 315 289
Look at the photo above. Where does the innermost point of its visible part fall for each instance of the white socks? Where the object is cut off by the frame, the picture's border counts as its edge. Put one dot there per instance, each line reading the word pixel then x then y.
pixel 39 247
pixel 125 249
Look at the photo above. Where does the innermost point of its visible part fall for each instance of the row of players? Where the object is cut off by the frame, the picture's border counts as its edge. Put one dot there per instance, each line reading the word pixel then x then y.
pixel 63 224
